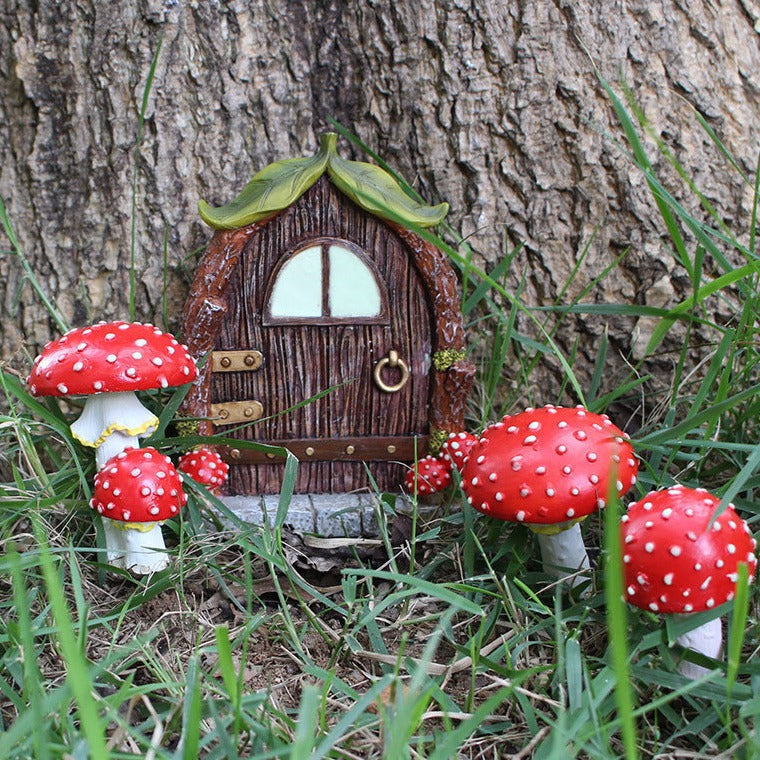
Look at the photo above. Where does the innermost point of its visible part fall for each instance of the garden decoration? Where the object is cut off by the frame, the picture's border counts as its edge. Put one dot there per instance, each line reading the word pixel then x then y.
pixel 549 468
pixel 107 363
pixel 204 466
pixel 135 492
pixel 677 559
pixel 429 475
pixel 456 448
pixel 315 287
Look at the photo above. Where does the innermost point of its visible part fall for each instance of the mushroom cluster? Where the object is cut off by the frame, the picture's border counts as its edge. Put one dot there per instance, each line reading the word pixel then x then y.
pixel 549 468
pixel 108 362
pixel 679 558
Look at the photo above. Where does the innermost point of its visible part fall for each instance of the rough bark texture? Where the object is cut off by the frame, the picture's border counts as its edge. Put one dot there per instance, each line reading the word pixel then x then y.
pixel 494 107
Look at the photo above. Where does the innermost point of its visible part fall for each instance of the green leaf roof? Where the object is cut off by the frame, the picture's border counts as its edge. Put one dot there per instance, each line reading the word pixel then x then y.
pixel 280 184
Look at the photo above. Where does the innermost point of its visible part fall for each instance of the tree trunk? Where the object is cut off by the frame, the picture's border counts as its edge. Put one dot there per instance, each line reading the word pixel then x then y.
pixel 494 107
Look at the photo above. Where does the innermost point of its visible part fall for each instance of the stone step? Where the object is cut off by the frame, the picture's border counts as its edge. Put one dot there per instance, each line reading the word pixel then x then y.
pixel 329 515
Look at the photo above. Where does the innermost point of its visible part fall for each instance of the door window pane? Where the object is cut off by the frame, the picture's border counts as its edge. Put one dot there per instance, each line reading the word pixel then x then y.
pixel 297 292
pixel 353 288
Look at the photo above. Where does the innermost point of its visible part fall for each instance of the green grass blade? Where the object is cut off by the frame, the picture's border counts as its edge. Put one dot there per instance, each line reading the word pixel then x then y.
pixel 226 665
pixel 34 689
pixel 643 161
pixel 191 712
pixel 738 628
pixel 712 287
pixel 286 490
pixel 617 624
pixel 306 725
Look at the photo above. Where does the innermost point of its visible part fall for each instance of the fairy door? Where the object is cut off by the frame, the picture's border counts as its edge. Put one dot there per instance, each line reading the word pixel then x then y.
pixel 327 339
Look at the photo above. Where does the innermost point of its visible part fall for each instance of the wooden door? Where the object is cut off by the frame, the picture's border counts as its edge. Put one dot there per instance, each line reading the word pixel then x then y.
pixel 328 334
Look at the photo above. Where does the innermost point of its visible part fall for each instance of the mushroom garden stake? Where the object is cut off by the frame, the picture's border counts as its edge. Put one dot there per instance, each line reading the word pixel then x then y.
pixel 429 475
pixel 674 562
pixel 549 468
pixel 107 363
pixel 135 492
pixel 204 466
pixel 456 448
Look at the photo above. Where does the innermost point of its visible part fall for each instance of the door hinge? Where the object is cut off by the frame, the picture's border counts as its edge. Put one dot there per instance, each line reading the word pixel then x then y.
pixel 236 361
pixel 235 412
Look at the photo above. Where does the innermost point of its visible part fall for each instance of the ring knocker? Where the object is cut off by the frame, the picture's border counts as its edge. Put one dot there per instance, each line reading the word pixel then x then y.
pixel 392 361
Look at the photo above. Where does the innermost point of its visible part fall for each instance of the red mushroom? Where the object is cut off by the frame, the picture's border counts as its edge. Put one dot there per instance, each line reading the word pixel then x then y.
pixel 549 468
pixel 457 447
pixel 674 562
pixel 429 475
pixel 204 466
pixel 108 362
pixel 135 492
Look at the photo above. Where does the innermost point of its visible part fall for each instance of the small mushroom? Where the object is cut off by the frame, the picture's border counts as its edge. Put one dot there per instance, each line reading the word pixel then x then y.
pixel 429 475
pixel 204 466
pixel 549 468
pixel 674 561
pixel 456 448
pixel 108 362
pixel 135 492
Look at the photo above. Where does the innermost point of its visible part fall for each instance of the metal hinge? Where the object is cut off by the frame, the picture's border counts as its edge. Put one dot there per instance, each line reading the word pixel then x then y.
pixel 235 412
pixel 236 361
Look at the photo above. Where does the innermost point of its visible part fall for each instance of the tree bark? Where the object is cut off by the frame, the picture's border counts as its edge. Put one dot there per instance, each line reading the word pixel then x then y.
pixel 494 107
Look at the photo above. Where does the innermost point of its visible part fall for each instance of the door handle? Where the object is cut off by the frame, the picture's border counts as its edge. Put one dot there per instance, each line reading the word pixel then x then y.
pixel 392 361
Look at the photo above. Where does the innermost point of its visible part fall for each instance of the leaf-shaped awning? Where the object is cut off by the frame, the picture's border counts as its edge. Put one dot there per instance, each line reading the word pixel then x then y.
pixel 280 184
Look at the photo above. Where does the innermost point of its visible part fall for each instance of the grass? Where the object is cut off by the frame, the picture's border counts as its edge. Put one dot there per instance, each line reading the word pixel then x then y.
pixel 447 643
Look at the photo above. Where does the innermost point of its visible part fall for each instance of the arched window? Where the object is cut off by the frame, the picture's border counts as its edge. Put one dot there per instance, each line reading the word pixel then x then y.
pixel 327 281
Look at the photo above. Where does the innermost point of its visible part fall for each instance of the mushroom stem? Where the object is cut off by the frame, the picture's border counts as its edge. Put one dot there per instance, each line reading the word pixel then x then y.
pixel 114 535
pixel 707 639
pixel 112 422
pixel 114 444
pixel 563 553
pixel 140 550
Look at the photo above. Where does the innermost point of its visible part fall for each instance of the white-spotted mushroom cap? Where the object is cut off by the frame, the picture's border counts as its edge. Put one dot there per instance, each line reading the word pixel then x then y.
pixel 138 486
pixel 673 561
pixel 548 466
pixel 111 357
pixel 456 448
pixel 429 475
pixel 204 466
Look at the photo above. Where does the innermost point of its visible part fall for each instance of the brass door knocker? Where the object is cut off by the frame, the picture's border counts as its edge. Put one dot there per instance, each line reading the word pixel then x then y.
pixel 392 361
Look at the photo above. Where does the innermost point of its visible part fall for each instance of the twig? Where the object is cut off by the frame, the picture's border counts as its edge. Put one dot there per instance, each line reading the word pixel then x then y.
pixel 531 745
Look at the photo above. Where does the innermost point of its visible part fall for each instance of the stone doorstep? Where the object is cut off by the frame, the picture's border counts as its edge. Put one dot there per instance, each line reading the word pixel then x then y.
pixel 328 515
